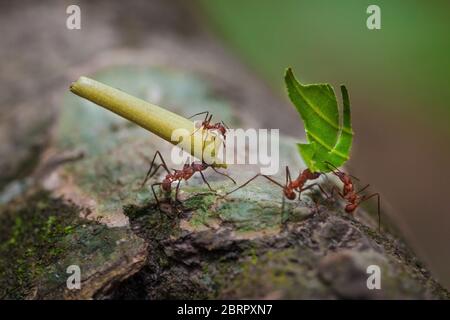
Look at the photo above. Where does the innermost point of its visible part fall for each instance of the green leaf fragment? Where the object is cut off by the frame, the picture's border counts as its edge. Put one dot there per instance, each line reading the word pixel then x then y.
pixel 341 151
pixel 328 140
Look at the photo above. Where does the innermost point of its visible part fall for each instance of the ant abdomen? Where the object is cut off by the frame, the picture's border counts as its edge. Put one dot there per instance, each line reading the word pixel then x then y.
pixel 351 207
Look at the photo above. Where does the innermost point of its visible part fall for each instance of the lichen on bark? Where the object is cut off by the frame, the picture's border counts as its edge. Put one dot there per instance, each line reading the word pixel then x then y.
pixel 241 246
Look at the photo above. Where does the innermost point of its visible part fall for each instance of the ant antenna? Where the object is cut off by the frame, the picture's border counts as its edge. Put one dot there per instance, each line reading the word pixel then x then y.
pixel 329 164
pixel 197 114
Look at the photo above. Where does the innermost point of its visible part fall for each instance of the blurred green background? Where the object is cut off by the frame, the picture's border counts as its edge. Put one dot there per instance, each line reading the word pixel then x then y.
pixel 398 80
pixel 407 60
pixel 397 77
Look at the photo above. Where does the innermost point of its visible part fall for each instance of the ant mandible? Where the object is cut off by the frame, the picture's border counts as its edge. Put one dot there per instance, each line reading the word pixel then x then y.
pixel 189 169
pixel 349 194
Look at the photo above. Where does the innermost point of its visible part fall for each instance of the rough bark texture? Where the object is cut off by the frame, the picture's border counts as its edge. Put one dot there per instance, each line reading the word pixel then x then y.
pixel 94 214
pixel 62 208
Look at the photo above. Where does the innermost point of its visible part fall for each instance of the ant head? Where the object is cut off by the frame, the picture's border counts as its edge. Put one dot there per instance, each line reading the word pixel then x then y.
pixel 311 175
pixel 289 193
pixel 203 166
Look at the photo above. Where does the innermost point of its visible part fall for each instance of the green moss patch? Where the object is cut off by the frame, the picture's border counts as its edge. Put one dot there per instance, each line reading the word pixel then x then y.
pixel 41 236
pixel 32 237
pixel 272 274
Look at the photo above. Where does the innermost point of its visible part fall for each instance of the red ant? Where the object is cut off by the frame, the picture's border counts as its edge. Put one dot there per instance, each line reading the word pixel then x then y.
pixel 206 124
pixel 291 186
pixel 178 175
pixel 348 192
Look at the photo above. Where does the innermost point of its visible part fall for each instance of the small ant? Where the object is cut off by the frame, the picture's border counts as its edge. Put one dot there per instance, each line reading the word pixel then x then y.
pixel 221 127
pixel 178 175
pixel 348 192
pixel 291 186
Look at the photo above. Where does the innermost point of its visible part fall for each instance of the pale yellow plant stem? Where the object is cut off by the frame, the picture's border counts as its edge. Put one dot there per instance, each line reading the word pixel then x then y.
pixel 155 119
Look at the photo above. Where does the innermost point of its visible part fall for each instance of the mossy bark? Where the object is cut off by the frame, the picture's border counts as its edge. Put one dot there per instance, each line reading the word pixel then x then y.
pixel 92 212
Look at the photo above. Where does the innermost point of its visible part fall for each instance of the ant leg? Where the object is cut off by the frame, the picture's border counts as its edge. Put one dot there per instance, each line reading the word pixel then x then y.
pixel 216 134
pixel 204 136
pixel 243 185
pixel 206 113
pixel 223 139
pixel 323 191
pixel 273 181
pixel 365 198
pixel 327 197
pixel 204 179
pixel 224 124
pixel 224 174
pixel 309 187
pixel 251 179
pixel 283 205
pixel 176 191
pixel 163 164
pixel 154 193
pixel 320 188
pixel 316 206
pixel 156 170
pixel 195 131
pixel 332 193
pixel 148 176
pixel 224 142
pixel 355 178
pixel 363 189
pixel 206 121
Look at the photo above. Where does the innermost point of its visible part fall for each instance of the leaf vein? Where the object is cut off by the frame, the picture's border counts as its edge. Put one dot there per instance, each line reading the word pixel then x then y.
pixel 317 111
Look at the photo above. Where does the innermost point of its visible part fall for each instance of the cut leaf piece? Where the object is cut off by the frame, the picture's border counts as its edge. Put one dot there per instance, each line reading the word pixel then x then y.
pixel 308 152
pixel 328 141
